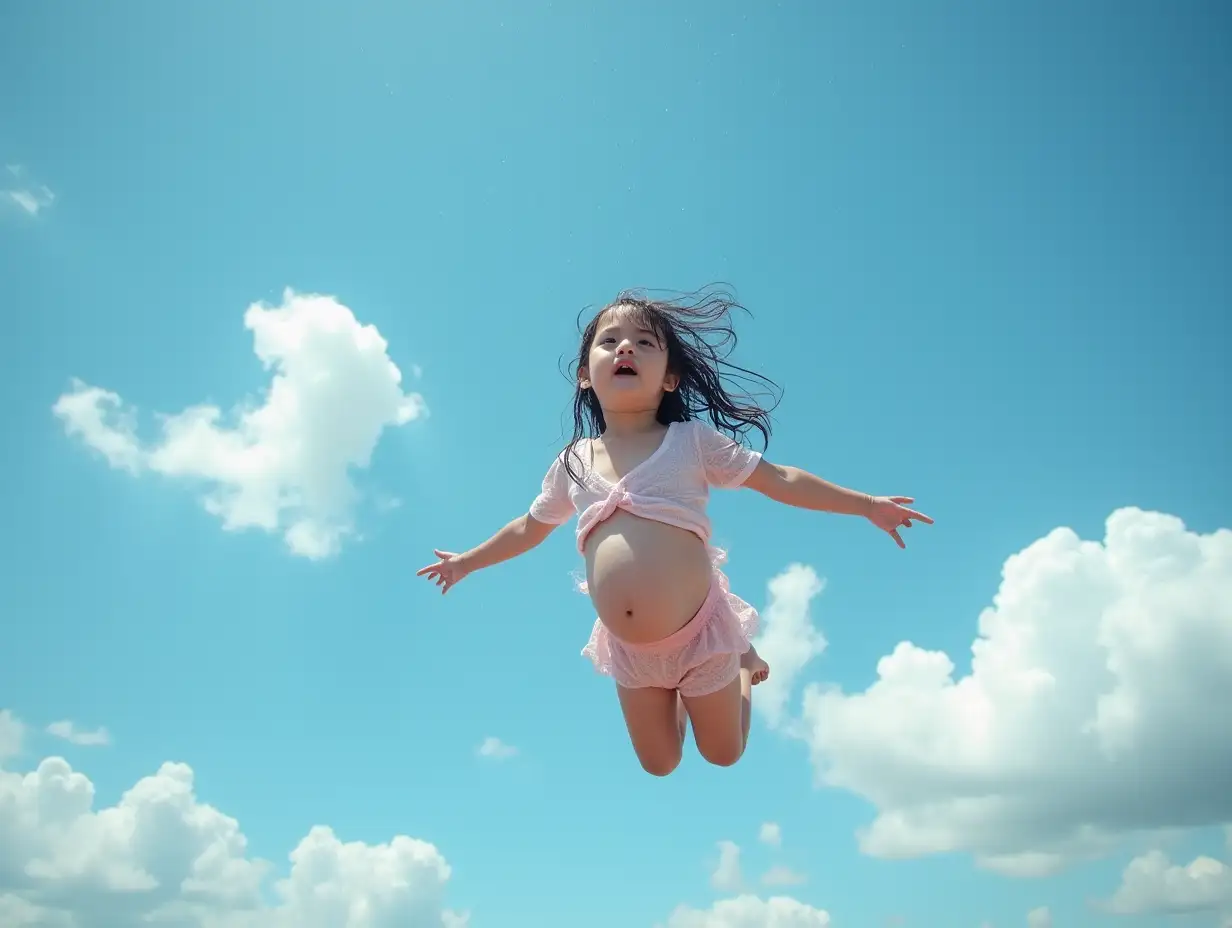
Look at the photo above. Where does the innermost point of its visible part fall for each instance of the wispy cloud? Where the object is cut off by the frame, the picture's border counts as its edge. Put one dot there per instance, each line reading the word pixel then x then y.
pixel 782 876
pixel 726 877
pixel 33 198
pixel 496 749
pixel 1039 918
pixel 12 733
pixel 99 737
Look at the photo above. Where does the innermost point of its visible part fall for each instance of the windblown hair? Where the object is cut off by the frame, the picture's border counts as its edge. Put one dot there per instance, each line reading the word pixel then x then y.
pixel 697 332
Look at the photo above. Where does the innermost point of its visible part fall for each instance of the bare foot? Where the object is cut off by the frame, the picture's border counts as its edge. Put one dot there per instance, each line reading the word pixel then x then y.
pixel 758 669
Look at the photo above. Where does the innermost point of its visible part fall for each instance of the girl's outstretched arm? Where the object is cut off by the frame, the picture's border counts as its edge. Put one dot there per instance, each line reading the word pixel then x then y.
pixel 799 488
pixel 518 537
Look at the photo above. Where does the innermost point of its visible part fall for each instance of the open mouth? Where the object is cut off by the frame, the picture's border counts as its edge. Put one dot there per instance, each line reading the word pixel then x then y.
pixel 625 370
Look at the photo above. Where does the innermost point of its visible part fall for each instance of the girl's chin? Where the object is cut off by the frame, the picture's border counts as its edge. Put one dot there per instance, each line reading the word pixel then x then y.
pixel 627 400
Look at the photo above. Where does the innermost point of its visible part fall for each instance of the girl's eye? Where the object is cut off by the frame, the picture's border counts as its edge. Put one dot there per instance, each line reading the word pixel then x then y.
pixel 648 342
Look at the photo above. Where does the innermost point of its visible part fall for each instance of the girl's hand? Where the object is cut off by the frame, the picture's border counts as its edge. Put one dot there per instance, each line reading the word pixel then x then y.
pixel 889 514
pixel 447 571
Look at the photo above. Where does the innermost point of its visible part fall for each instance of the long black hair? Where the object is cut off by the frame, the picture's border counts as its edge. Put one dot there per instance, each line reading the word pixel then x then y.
pixel 696 330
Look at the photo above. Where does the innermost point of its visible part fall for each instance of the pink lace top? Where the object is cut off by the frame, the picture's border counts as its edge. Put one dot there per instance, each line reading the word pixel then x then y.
pixel 671 486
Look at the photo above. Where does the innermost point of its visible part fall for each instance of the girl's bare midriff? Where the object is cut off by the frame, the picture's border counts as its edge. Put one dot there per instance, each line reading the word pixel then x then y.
pixel 646 579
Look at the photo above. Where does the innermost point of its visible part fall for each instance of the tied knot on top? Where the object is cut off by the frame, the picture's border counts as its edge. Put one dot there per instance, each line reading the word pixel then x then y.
pixel 619 497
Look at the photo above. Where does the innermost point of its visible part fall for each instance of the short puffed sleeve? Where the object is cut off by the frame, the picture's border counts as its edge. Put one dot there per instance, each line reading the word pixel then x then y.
pixel 553 505
pixel 726 462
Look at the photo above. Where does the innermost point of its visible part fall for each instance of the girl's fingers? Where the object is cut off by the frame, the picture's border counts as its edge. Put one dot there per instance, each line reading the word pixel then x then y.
pixel 902 499
pixel 897 538
pixel 918 516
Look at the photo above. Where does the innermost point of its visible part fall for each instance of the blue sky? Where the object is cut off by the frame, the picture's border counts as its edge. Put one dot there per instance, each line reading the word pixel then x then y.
pixel 985 248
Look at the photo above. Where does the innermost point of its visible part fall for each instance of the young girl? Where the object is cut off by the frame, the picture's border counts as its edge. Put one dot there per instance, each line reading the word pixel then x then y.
pixel 676 640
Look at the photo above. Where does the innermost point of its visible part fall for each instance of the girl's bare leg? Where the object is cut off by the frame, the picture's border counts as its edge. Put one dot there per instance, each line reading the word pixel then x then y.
pixel 721 720
pixel 656 721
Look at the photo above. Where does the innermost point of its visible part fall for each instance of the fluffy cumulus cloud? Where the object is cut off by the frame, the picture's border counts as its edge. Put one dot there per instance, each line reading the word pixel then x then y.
pixel 161 857
pixel 1152 885
pixel 771 834
pixel 789 639
pixel 1089 712
pixel 751 912
pixel 284 462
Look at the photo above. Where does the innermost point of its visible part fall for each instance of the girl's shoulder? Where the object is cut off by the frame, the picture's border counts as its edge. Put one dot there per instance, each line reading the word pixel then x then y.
pixel 576 457
pixel 697 431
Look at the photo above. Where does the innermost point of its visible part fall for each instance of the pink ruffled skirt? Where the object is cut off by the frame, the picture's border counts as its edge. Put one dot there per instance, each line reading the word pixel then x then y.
pixel 698 659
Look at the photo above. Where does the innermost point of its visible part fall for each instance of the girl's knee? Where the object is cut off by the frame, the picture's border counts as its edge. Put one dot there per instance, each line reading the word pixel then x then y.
pixel 660 765
pixel 722 755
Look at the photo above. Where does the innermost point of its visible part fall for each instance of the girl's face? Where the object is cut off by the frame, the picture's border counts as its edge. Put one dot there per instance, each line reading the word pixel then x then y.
pixel 627 364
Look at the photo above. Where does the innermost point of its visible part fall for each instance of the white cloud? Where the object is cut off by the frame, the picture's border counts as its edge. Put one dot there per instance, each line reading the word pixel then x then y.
pixel 99 419
pixel 81 737
pixel 726 877
pixel 789 639
pixel 12 733
pixel 31 201
pixel 751 912
pixel 1152 885
pixel 32 198
pixel 1089 713
pixel 161 856
pixel 771 834
pixel 1039 918
pixel 284 463
pixel 782 876
pixel 496 749
pixel 16 912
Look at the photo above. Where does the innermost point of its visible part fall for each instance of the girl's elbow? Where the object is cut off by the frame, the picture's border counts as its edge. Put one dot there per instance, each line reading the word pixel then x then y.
pixel 770 480
pixel 534 531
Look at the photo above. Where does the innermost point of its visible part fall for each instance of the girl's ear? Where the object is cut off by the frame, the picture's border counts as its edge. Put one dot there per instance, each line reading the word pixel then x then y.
pixel 584 378
pixel 671 382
